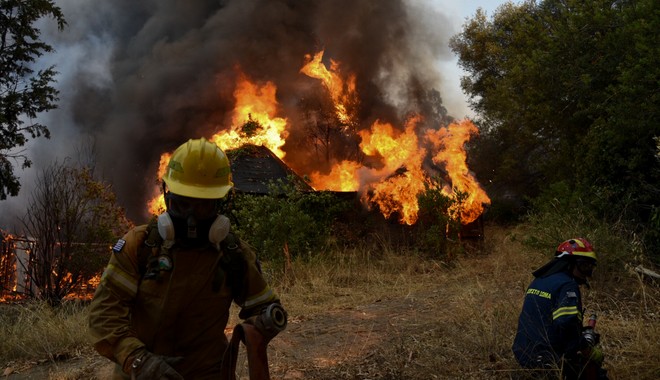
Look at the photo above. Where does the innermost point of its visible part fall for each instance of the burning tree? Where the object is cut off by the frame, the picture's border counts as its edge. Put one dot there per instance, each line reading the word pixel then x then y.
pixel 72 219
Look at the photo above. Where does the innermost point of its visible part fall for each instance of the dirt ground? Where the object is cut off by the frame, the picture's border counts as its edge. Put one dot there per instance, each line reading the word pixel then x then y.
pixel 309 348
pixel 337 344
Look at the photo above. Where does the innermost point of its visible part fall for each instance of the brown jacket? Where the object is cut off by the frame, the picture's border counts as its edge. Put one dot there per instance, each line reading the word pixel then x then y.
pixel 183 313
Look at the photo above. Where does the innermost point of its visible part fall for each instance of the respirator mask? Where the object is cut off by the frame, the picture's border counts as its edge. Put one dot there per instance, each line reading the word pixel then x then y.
pixel 193 221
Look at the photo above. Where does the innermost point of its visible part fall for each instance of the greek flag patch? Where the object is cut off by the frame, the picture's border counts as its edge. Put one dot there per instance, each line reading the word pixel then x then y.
pixel 118 246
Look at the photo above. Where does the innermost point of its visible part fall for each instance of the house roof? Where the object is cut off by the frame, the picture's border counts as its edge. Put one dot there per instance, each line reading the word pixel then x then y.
pixel 253 167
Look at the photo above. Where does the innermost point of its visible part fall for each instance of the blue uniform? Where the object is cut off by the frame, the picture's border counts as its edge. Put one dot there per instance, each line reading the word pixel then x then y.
pixel 550 323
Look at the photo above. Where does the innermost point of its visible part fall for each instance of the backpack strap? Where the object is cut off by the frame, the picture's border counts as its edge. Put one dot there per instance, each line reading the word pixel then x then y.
pixel 149 251
pixel 232 265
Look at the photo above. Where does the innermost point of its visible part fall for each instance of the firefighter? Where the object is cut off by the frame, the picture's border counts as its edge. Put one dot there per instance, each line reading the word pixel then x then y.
pixel 550 338
pixel 163 303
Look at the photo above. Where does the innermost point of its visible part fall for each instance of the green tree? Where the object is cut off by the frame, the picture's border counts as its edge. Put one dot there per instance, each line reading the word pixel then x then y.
pixel 566 92
pixel 250 128
pixel 72 219
pixel 23 93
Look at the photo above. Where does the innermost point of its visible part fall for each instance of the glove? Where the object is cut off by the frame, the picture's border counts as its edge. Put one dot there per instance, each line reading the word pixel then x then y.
pixel 145 366
pixel 597 356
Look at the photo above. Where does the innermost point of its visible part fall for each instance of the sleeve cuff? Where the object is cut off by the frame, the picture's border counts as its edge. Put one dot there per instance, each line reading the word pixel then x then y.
pixel 127 347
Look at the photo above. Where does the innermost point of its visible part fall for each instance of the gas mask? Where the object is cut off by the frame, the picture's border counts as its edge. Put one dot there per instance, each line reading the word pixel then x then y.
pixel 192 221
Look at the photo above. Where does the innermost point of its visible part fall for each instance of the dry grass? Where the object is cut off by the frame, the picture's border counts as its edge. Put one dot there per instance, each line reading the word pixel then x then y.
pixel 374 312
pixel 34 330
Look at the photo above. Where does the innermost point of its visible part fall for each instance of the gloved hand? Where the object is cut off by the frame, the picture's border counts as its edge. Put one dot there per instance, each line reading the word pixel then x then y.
pixel 597 356
pixel 146 365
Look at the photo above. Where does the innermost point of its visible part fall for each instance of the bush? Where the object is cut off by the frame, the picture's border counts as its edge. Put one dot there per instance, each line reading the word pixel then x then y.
pixel 438 219
pixel 300 221
pixel 559 215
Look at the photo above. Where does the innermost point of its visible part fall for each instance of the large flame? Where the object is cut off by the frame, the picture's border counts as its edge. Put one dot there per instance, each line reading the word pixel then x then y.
pixel 341 91
pixel 256 105
pixel 449 143
pixel 396 181
pixel 157 204
pixel 393 176
pixel 399 177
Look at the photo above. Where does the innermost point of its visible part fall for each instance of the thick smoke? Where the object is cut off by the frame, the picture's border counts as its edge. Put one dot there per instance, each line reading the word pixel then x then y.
pixel 139 78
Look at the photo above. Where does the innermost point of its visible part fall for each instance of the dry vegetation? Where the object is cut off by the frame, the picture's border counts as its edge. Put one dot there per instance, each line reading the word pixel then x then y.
pixel 376 313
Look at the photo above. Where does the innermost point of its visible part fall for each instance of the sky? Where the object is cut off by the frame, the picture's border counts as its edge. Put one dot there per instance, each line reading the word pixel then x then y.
pixel 83 59
pixel 459 11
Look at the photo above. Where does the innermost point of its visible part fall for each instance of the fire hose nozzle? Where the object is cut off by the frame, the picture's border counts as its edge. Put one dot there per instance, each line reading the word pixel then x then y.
pixel 589 333
pixel 592 321
pixel 274 318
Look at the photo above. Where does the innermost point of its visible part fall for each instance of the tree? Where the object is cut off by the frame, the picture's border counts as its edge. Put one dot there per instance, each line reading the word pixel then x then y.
pixel 566 91
pixel 72 219
pixel 332 139
pixel 23 93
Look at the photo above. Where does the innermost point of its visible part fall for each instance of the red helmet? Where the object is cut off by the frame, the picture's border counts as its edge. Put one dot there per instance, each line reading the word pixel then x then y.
pixel 579 247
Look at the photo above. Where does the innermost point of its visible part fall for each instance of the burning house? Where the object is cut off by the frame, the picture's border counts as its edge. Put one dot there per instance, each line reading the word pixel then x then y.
pixel 390 165
pixel 14 266
pixel 27 272
pixel 254 167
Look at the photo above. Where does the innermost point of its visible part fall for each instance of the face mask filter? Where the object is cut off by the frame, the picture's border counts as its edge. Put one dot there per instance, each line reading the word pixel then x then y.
pixel 218 230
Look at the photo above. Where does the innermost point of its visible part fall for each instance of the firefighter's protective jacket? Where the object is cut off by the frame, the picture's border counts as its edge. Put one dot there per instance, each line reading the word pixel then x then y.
pixel 181 313
pixel 550 323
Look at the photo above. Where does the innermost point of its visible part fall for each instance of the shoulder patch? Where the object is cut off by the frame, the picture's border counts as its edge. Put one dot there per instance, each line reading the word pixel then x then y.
pixel 571 294
pixel 118 245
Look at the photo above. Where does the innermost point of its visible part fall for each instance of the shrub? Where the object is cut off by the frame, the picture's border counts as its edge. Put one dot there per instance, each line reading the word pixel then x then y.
pixel 300 221
pixel 438 219
pixel 559 215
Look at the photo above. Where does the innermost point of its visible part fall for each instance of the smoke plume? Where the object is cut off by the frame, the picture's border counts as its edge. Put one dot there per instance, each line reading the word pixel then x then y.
pixel 140 78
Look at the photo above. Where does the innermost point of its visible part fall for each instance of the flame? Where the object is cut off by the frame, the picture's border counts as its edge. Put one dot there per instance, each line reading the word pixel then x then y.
pixel 342 92
pixel 392 175
pixel 449 143
pixel 342 177
pixel 393 151
pixel 156 205
pixel 395 185
pixel 257 104
pixel 396 193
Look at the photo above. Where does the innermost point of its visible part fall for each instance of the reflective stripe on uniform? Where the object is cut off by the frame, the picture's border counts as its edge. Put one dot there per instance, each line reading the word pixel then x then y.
pixel 262 297
pixel 563 311
pixel 123 280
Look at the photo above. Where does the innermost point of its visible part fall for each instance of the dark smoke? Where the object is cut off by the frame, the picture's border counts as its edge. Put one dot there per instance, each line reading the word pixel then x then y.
pixel 141 77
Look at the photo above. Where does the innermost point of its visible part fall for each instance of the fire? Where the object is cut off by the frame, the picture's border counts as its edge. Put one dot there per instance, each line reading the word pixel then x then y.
pixel 449 143
pixel 258 104
pixel 343 177
pixel 390 176
pixel 399 176
pixel 393 151
pixel 396 193
pixel 342 92
pixel 253 122
pixel 157 204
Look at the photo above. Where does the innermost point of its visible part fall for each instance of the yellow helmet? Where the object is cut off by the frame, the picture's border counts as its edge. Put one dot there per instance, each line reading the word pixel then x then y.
pixel 199 169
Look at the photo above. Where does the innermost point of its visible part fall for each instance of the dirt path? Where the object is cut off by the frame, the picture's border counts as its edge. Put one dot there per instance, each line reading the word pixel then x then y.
pixel 330 345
